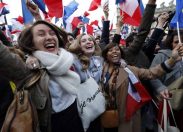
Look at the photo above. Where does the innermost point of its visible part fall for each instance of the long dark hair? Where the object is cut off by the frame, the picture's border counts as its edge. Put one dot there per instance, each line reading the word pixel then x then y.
pixel 169 39
pixel 108 47
pixel 25 39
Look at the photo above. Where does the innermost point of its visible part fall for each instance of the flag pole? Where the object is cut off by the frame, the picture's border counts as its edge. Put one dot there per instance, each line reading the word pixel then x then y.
pixel 178 32
pixel 4 15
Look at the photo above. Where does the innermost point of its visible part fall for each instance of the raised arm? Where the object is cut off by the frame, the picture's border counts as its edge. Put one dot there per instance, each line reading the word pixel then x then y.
pixel 156 36
pixel 11 65
pixel 144 28
pixel 33 8
pixel 105 30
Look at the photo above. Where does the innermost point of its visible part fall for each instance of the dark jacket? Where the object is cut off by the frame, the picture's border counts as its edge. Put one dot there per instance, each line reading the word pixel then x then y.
pixel 39 91
pixel 133 54
pixel 149 47
pixel 6 97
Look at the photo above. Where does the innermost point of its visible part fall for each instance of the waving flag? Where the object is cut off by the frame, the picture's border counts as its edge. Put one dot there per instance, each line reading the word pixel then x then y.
pixel 131 12
pixel 95 22
pixel 20 19
pixel 89 29
pixel 41 5
pixel 119 1
pixel 86 14
pixel 94 5
pixel 55 8
pixel 178 17
pixel 27 16
pixel 4 9
pixel 70 9
pixel 2 5
pixel 137 95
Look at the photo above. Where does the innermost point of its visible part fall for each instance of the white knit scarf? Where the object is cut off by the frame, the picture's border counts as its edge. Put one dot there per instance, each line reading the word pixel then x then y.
pixel 59 68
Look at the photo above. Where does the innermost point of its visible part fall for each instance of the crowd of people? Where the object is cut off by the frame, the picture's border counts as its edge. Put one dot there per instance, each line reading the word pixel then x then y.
pixel 57 62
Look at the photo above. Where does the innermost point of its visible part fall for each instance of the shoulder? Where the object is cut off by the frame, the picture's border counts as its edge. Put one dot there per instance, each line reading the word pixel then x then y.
pixel 97 59
pixel 164 52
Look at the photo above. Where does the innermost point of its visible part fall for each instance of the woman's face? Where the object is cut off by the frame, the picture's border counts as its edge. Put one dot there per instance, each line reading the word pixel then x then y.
pixel 45 39
pixel 114 55
pixel 87 45
pixel 175 41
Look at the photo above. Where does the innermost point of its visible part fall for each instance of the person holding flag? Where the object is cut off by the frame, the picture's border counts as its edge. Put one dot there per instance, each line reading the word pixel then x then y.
pixel 123 89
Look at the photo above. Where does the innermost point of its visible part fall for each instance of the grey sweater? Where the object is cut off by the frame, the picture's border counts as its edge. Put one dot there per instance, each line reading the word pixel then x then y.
pixel 162 83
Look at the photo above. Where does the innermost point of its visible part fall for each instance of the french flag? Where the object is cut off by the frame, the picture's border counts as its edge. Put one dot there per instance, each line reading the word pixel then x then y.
pixel 17 25
pixel 131 11
pixel 137 96
pixel 94 5
pixel 4 9
pixel 55 8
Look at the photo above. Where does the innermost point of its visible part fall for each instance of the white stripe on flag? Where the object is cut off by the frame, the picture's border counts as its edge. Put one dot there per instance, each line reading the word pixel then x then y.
pixel 133 93
pixel 129 6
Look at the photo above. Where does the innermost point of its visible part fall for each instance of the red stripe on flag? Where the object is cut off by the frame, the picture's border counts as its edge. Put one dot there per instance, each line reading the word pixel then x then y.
pixel 134 20
pixel 132 105
pixel 55 8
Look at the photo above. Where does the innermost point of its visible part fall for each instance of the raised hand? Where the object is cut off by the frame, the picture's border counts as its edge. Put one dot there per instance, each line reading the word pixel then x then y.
pixel 33 8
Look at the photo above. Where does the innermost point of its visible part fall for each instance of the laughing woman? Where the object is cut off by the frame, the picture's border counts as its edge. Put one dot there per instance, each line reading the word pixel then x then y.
pixel 54 91
pixel 87 64
pixel 118 78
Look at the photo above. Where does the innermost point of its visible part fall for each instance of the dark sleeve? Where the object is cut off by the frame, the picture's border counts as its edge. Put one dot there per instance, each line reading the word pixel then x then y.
pixel 75 32
pixel 116 38
pixel 105 33
pixel 4 39
pixel 11 65
pixel 143 30
pixel 6 97
pixel 150 46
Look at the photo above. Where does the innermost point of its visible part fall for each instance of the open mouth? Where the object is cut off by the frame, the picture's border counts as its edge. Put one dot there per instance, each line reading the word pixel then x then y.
pixel 50 46
pixel 115 57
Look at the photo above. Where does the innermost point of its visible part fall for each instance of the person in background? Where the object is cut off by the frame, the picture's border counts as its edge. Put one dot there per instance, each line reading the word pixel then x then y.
pixel 118 79
pixel 154 41
pixel 160 85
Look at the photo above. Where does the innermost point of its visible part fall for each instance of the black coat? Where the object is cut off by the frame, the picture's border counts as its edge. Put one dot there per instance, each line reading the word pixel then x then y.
pixel 6 97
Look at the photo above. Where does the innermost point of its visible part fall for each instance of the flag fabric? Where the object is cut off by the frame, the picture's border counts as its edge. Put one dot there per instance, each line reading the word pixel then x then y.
pixel 160 117
pixel 70 9
pixel 119 1
pixel 178 17
pixel 111 27
pixel 17 25
pixel 137 95
pixel 95 22
pixel 85 20
pixel 86 14
pixel 20 19
pixel 4 11
pixel 141 6
pixel 2 5
pixel 75 21
pixel 27 16
pixel 55 8
pixel 94 5
pixel 131 12
pixel 89 29
pixel 41 5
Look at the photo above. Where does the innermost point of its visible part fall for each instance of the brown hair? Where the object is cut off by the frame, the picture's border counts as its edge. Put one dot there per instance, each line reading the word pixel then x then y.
pixel 108 47
pixel 25 39
pixel 76 49
pixel 169 39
